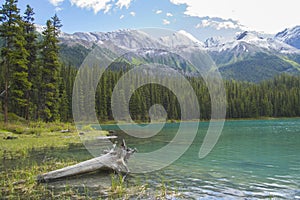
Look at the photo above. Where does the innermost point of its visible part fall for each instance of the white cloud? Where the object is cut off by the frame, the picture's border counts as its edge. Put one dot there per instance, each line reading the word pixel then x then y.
pixel 158 12
pixel 107 8
pixel 169 15
pixel 132 14
pixel 95 5
pixel 267 15
pixel 122 16
pixel 220 24
pixel 123 3
pixel 166 22
pixel 58 9
pixel 56 2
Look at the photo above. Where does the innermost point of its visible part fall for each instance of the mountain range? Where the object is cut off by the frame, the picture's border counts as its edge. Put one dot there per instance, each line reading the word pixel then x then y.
pixel 248 56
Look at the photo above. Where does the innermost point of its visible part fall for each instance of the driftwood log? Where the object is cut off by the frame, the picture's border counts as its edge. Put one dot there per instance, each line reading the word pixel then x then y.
pixel 115 159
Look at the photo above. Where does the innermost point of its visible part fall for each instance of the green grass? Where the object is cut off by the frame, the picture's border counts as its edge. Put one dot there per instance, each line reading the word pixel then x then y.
pixel 19 169
pixel 18 180
pixel 20 183
pixel 34 136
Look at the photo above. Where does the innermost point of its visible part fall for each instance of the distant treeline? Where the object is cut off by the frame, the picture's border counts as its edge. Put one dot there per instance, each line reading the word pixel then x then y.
pixel 279 97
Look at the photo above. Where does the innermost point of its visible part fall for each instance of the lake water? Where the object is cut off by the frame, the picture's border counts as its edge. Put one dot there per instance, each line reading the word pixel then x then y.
pixel 255 159
pixel 252 159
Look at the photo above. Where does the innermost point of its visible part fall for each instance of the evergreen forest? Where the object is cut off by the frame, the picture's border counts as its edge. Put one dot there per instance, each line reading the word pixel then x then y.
pixel 37 85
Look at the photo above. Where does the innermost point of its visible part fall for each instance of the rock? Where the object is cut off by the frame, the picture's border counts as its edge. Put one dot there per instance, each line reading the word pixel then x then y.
pixel 10 138
pixel 19 182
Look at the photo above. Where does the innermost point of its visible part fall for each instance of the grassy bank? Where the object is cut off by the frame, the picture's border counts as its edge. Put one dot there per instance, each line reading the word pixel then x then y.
pixel 18 171
pixel 16 140
pixel 27 150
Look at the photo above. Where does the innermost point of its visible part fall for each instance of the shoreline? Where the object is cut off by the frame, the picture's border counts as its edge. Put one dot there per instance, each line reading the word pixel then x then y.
pixel 112 123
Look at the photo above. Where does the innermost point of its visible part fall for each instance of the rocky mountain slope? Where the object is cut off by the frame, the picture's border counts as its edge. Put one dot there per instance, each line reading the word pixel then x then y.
pixel 290 36
pixel 247 57
pixel 250 57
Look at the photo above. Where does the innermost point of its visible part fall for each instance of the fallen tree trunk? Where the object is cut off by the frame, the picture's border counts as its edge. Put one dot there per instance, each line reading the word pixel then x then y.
pixel 115 159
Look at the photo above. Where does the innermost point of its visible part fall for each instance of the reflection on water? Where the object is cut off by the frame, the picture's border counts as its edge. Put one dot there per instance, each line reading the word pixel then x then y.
pixel 253 159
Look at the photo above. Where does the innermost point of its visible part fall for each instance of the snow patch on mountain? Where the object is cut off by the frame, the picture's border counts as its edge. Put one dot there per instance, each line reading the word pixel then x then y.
pixel 189 36
pixel 214 41
pixel 125 39
pixel 290 36
pixel 250 41
pixel 39 28
pixel 180 39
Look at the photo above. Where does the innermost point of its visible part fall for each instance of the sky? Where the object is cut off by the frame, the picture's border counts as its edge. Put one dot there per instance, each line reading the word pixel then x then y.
pixel 201 18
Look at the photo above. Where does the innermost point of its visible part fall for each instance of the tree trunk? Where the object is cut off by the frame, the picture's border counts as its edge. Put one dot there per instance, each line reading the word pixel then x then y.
pixel 6 101
pixel 115 159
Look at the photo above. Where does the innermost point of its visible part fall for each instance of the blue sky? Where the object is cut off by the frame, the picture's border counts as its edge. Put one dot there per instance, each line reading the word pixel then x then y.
pixel 141 13
pixel 201 18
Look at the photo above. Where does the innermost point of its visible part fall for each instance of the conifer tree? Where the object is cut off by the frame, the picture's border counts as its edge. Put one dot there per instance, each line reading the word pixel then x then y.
pixel 14 59
pixel 33 72
pixel 63 100
pixel 50 71
pixel 56 22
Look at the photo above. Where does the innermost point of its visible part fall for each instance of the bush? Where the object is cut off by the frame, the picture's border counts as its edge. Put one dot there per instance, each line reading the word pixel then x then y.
pixel 13 118
pixel 88 128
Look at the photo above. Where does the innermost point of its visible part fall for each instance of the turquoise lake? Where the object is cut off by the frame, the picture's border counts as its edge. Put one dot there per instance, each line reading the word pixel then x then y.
pixel 252 159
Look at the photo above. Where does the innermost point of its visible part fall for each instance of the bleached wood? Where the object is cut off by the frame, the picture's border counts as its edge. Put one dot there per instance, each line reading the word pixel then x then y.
pixel 115 159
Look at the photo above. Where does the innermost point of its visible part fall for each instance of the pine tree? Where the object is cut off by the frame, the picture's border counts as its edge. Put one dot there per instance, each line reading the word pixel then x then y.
pixel 33 71
pixel 71 73
pixel 14 59
pixel 50 72
pixel 56 22
pixel 63 99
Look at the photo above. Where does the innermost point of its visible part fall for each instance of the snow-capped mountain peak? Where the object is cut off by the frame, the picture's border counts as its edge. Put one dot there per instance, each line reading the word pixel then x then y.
pixel 288 33
pixel 126 39
pixel 39 28
pixel 250 42
pixel 214 42
pixel 190 36
pixel 290 36
pixel 248 36
pixel 179 39
pixel 248 51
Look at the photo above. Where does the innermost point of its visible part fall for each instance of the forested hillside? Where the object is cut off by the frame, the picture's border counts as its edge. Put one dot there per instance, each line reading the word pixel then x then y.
pixel 36 84
pixel 278 97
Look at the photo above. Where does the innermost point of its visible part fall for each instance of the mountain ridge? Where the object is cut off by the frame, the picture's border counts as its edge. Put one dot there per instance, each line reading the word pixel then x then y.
pixel 231 56
pixel 290 36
